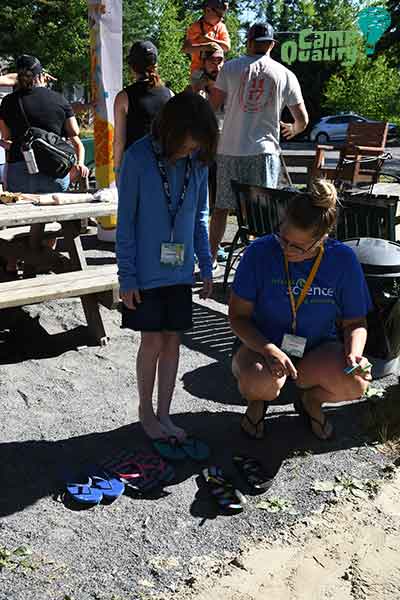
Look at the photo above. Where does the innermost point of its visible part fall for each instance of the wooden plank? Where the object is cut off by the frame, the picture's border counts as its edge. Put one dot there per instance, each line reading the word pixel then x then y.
pixel 29 214
pixel 57 290
pixel 70 277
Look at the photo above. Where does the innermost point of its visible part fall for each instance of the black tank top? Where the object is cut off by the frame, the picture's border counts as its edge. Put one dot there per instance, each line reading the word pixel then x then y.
pixel 144 104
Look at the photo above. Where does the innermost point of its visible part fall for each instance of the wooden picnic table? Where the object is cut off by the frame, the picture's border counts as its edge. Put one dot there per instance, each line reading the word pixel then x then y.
pixel 98 285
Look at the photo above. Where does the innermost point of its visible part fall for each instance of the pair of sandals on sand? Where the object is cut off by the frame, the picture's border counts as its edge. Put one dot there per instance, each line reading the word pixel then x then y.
pixel 138 472
pixel 254 427
pixel 227 497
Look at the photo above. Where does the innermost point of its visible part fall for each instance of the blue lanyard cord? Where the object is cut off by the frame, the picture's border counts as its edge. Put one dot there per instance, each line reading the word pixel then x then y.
pixel 167 190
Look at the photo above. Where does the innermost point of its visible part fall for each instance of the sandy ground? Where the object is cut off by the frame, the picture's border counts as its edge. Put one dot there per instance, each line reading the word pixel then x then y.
pixel 64 403
pixel 349 552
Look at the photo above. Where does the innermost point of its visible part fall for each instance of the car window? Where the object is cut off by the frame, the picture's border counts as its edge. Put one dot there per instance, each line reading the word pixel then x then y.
pixel 356 119
pixel 334 121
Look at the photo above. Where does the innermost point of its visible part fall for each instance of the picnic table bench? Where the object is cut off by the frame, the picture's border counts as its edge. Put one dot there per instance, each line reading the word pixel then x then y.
pixel 70 276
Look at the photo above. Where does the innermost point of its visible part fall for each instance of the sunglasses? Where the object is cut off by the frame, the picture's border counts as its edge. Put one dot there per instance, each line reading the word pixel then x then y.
pixel 287 245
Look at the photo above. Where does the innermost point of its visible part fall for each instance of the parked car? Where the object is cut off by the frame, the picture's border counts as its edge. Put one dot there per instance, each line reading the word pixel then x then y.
pixel 334 127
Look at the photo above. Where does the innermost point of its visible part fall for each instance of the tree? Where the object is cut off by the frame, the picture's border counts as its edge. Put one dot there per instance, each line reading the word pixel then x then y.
pixel 370 88
pixel 174 65
pixel 53 30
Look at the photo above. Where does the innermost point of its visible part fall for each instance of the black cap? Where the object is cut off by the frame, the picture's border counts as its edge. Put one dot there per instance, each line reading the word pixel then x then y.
pixel 26 62
pixel 143 54
pixel 261 32
pixel 218 4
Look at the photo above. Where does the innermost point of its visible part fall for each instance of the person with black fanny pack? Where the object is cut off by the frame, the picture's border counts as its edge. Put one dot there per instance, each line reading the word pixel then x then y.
pixel 290 292
pixel 162 223
pixel 43 108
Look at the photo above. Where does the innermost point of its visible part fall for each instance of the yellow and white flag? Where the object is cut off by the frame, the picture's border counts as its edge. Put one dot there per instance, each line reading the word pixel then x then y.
pixel 105 25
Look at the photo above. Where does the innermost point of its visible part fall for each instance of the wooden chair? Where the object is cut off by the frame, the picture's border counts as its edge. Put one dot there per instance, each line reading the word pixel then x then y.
pixel 258 211
pixel 361 158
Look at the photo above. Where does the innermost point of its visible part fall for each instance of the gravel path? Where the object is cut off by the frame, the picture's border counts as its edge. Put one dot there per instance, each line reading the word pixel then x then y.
pixel 64 403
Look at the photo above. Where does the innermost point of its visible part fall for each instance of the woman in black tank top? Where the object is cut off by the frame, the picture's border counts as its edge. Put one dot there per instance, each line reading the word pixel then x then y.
pixel 136 105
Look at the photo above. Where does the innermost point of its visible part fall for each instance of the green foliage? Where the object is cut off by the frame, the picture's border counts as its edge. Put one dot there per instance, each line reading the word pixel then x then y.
pixel 174 65
pixel 54 30
pixel 370 88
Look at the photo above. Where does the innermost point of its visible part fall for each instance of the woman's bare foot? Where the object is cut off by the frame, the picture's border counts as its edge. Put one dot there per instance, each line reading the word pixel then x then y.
pixel 172 429
pixel 153 428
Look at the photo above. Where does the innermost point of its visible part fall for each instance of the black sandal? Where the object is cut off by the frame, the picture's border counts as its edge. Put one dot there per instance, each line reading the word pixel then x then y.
pixel 300 408
pixel 253 472
pixel 228 498
pixel 258 433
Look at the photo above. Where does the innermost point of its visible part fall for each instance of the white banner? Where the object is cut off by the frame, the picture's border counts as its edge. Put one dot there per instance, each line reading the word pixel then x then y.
pixel 105 23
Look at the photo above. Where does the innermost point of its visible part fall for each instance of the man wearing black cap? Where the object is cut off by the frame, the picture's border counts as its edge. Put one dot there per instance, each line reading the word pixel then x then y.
pixel 254 90
pixel 208 33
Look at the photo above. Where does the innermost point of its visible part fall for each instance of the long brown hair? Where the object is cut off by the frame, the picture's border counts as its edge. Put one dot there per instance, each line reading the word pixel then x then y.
pixel 187 114
pixel 315 209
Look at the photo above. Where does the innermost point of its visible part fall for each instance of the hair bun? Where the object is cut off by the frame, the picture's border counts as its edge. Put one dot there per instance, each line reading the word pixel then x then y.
pixel 324 194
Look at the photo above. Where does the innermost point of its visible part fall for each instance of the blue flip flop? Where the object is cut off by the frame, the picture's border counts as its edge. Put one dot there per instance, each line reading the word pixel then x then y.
pixel 84 493
pixel 195 449
pixel 111 487
pixel 169 448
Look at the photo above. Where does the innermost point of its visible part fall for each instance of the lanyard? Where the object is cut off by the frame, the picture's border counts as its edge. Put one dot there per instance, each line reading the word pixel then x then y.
pixel 295 307
pixel 167 190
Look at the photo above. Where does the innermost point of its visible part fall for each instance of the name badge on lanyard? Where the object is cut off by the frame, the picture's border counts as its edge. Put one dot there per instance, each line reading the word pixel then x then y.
pixel 172 254
pixel 293 344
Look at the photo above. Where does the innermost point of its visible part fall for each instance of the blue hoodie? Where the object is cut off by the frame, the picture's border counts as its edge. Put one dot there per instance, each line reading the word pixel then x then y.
pixel 144 221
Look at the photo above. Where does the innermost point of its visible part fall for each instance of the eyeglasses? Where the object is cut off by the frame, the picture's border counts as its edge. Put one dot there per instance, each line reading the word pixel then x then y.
pixel 286 245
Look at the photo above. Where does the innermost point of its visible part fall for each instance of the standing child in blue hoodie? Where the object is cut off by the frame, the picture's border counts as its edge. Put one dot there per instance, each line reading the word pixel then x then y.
pixel 162 224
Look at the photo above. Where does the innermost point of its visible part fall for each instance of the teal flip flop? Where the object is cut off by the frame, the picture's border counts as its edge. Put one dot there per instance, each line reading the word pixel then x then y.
pixel 195 449
pixel 169 448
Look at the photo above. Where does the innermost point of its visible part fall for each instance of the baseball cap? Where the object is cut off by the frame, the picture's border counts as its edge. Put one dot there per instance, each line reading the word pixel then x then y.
pixel 26 62
pixel 261 32
pixel 143 54
pixel 218 4
pixel 217 53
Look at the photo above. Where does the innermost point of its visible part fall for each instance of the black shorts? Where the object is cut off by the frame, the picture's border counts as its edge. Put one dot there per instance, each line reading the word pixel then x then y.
pixel 166 308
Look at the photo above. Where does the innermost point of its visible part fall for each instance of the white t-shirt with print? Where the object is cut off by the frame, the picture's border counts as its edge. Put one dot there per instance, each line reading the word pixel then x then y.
pixel 257 89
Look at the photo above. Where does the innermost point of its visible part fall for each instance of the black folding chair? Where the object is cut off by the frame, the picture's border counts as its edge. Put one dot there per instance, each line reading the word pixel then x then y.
pixel 259 211
pixel 364 215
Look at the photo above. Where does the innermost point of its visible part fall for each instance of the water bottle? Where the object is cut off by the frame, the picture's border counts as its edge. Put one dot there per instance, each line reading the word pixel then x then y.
pixel 30 160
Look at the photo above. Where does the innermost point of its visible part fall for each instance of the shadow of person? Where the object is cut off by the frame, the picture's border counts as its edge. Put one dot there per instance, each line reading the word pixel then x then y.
pixel 30 470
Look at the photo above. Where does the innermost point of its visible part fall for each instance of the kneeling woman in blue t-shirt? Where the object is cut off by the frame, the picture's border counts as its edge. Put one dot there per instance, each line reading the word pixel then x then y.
pixel 290 292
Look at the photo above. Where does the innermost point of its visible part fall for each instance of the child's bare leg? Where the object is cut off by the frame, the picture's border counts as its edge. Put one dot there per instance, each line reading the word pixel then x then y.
pixel 167 370
pixel 146 365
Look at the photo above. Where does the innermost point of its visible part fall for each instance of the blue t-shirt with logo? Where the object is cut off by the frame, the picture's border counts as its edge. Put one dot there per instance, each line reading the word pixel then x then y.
pixel 339 290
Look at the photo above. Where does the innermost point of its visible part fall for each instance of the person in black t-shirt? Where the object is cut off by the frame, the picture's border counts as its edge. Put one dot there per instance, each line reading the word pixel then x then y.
pixel 46 109
pixel 136 105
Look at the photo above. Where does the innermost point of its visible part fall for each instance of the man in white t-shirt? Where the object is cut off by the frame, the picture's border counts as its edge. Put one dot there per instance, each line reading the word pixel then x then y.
pixel 254 90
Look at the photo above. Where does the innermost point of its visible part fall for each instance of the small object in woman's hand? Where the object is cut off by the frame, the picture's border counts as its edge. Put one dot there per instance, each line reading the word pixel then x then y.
pixel 350 370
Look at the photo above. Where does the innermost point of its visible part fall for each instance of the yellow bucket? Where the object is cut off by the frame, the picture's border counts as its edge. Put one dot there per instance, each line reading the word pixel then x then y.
pixel 109 222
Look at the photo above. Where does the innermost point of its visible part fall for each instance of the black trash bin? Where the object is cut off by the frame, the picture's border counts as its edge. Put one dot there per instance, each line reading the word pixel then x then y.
pixel 380 260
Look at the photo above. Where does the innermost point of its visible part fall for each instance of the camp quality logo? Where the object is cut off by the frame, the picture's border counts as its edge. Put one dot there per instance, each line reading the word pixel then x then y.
pixel 342 46
pixel 314 290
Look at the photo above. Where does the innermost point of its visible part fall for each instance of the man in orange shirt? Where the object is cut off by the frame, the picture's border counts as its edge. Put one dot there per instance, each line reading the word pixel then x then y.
pixel 207 33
